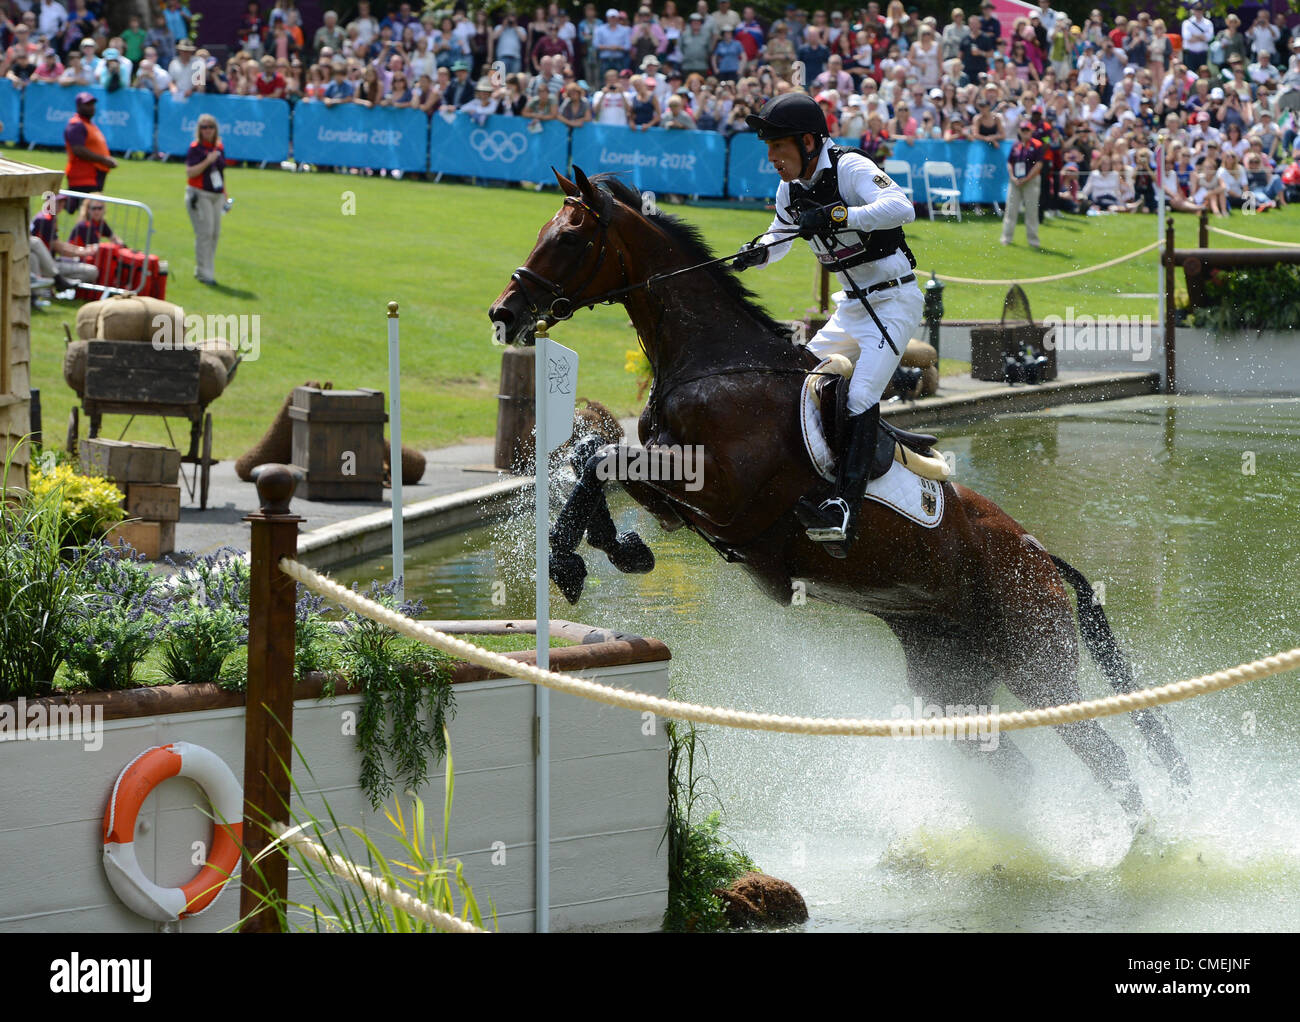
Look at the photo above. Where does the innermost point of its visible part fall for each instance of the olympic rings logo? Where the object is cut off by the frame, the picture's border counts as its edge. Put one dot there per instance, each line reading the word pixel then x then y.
pixel 498 145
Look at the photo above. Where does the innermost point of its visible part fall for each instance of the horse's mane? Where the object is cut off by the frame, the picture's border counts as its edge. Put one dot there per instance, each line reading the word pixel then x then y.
pixel 688 238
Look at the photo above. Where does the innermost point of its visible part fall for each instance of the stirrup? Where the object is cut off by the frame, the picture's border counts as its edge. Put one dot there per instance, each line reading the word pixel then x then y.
pixel 833 533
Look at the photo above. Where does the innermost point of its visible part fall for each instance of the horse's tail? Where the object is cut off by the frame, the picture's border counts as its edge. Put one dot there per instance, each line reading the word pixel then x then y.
pixel 1098 638
pixel 1103 647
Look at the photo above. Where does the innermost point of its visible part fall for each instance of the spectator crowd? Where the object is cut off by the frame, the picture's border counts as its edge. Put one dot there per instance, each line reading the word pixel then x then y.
pixel 1098 98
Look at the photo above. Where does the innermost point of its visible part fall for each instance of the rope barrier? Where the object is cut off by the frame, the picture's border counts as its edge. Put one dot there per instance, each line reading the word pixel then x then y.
pixel 373 885
pixel 1055 276
pixel 947 727
pixel 1262 241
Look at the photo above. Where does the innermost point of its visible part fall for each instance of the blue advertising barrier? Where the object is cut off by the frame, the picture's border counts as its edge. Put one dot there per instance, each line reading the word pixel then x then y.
pixel 655 160
pixel 11 112
pixel 350 136
pixel 501 148
pixel 124 116
pixel 981 168
pixel 252 128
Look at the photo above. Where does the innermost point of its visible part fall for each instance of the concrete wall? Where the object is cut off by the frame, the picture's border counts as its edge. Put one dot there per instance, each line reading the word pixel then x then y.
pixel 609 803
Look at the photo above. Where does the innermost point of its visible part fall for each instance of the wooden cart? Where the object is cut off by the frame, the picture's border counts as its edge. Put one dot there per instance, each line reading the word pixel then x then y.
pixel 132 378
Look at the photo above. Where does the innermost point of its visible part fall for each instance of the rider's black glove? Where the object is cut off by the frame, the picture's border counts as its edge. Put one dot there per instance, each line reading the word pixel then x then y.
pixel 815 221
pixel 750 255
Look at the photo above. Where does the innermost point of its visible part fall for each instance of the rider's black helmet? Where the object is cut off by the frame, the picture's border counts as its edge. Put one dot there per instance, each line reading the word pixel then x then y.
pixel 793 114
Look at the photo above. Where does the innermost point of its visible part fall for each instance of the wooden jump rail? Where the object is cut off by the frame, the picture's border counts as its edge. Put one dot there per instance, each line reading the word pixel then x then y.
pixel 1197 265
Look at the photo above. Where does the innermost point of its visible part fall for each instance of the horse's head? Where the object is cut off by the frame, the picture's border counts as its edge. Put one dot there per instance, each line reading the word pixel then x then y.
pixel 574 263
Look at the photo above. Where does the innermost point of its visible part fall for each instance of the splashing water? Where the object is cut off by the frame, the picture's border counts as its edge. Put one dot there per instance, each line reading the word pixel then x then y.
pixel 1152 499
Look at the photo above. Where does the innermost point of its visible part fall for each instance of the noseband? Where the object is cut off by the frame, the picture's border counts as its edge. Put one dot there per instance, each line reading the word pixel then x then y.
pixel 562 305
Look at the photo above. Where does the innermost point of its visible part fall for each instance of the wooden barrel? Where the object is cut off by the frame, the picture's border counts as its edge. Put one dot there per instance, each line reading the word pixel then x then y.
pixel 516 416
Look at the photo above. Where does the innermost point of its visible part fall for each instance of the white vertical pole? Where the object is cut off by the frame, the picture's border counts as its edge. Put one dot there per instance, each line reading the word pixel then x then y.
pixel 1161 311
pixel 395 449
pixel 542 704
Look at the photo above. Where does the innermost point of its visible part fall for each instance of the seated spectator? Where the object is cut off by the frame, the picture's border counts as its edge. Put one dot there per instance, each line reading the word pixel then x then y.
pixel 1264 184
pixel 483 105
pixel 57 260
pixel 1232 177
pixel 92 228
pixel 77 71
pixel 644 109
pixel 1207 190
pixel 1105 187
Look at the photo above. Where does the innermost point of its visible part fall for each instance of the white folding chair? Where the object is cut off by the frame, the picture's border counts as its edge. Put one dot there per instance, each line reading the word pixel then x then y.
pixel 946 199
pixel 901 172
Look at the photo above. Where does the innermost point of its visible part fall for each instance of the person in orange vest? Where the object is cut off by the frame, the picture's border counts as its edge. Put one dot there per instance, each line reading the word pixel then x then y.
pixel 88 159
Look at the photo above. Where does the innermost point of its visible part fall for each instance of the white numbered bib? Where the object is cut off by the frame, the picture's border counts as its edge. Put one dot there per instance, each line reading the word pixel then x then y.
pixel 1020 169
pixel 217 180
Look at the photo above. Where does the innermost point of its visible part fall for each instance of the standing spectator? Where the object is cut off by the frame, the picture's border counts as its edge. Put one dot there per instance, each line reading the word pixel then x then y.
pixel 88 158
pixel 134 38
pixel 644 111
pixel 549 45
pixel 178 19
pixel 461 89
pixel 186 71
pixel 778 52
pixel 954 33
pixel 367 27
pixel 586 39
pixel 1198 31
pixel 575 111
pixel 613 42
pixel 77 71
pixel 728 56
pixel 611 103
pixel 697 47
pixel 48 68
pixel 161 39
pixel 52 18
pixel 150 76
pixel 648 39
pixel 251 28
pixel 270 83
pixel 813 53
pixel 114 74
pixel 329 34
pixel 340 90
pixel 483 105
pixel 205 194
pixel 508 40
pixel 480 42
pixel 677 117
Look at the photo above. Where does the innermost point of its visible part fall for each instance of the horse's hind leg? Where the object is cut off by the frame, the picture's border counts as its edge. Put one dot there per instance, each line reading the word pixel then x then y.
pixel 949 674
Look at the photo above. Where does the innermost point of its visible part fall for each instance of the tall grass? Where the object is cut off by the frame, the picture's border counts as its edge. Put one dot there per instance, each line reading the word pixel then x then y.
pixel 424 871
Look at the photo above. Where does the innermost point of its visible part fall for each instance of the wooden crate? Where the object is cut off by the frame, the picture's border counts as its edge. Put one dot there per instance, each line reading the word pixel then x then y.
pixel 130 462
pixel 153 539
pixel 154 502
pixel 338 441
pixel 135 371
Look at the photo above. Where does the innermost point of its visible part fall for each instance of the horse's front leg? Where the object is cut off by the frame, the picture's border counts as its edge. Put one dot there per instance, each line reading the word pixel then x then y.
pixel 587 511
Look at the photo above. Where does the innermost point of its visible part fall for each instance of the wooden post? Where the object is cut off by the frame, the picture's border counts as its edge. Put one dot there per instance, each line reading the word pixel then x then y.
pixel 1203 230
pixel 268 713
pixel 1170 306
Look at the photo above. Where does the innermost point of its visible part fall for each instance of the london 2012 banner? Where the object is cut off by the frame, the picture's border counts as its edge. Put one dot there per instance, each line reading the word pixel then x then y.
pixel 981 169
pixel 497 148
pixel 382 138
pixel 251 128
pixel 125 116
pixel 683 162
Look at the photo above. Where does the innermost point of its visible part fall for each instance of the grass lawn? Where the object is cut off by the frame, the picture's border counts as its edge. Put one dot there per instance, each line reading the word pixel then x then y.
pixel 318 256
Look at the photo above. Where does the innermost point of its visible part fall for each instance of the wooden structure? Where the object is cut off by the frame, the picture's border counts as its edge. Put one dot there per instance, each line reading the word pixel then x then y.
pixel 338 441
pixel 516 416
pixel 19 184
pixel 990 345
pixel 1197 265
pixel 132 378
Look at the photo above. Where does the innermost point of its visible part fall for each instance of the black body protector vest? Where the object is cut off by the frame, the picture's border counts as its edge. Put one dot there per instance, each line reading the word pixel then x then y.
pixel 852 248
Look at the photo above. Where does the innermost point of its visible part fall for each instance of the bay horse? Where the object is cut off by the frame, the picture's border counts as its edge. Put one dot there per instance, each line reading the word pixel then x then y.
pixel 974 601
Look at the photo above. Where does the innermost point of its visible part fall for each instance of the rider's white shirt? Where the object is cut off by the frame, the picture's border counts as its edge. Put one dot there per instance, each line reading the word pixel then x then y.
pixel 871 205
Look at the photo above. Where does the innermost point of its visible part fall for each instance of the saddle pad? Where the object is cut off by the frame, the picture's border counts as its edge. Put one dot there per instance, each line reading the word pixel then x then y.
pixel 915 498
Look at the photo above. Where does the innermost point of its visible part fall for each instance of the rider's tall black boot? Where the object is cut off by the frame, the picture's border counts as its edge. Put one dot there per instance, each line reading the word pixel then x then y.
pixel 834 522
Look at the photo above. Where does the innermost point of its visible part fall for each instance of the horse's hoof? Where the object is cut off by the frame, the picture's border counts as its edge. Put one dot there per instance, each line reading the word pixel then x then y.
pixel 839 551
pixel 568 572
pixel 631 556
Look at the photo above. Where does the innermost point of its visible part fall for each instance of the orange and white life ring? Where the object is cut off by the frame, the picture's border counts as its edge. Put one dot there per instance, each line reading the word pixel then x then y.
pixel 137 780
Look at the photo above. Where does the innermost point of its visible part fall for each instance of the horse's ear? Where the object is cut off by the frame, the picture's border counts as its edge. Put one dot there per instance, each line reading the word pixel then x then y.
pixel 567 186
pixel 588 189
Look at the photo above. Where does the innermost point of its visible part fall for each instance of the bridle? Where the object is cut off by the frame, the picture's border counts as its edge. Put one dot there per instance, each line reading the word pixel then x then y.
pixel 562 306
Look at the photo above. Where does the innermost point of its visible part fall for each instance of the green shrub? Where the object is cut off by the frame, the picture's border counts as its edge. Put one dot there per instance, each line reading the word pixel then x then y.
pixel 88 505
pixel 117 620
pixel 1258 298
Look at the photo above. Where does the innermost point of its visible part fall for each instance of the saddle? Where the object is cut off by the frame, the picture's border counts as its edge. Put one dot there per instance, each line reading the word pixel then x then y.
pixel 829 394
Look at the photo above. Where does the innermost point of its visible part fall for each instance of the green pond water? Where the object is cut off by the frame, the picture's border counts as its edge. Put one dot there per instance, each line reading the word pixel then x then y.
pixel 1182 508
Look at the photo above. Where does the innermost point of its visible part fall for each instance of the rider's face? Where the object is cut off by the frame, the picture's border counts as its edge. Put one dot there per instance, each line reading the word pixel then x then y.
pixel 786 157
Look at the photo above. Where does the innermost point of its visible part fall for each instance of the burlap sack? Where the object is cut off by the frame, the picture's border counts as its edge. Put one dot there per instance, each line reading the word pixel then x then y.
pixel 213 376
pixel 221 348
pixel 131 318
pixel 276 445
pixel 919 355
pixel 413 464
pixel 75 356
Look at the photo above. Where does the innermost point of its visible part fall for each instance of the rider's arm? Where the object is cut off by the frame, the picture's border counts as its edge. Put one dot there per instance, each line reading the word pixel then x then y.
pixel 781 228
pixel 877 206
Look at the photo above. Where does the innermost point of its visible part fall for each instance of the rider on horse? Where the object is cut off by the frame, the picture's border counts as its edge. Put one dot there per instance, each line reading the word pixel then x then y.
pixel 851 214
